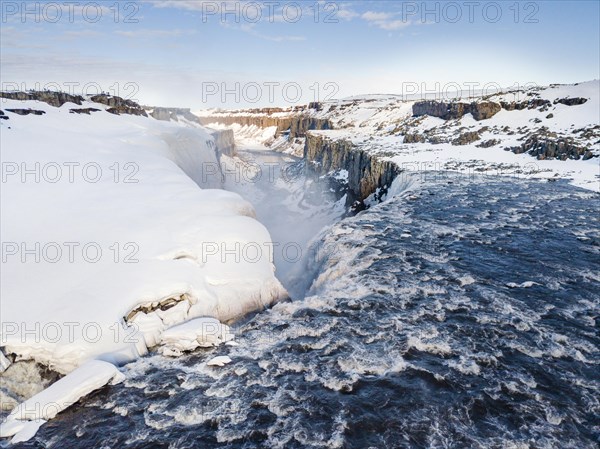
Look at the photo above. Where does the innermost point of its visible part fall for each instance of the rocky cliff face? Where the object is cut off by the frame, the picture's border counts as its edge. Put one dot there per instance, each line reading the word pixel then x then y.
pixel 551 123
pixel 118 105
pixel 297 124
pixel 367 174
pixel 483 110
pixel 262 121
pixel 451 111
pixel 303 123
pixel 56 99
pixel 172 114
pixel 224 141
pixel 529 104
pixel 543 147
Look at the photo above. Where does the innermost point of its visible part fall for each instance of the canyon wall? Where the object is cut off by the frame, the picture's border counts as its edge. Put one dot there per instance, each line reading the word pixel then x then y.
pixel 367 174
pixel 297 125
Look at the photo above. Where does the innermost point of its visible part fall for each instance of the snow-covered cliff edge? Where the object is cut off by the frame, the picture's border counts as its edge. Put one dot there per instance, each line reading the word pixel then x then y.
pixel 113 230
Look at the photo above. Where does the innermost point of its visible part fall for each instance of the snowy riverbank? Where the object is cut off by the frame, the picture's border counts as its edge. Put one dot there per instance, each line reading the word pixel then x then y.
pixel 112 232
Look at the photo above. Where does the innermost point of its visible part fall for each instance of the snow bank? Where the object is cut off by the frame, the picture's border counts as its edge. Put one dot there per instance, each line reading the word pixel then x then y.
pixel 197 333
pixel 103 215
pixel 26 418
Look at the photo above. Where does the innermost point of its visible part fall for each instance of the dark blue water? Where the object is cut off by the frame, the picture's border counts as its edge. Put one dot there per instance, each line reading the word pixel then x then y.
pixel 460 314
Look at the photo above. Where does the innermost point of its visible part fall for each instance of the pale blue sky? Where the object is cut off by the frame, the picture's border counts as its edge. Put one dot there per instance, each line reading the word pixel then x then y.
pixel 189 52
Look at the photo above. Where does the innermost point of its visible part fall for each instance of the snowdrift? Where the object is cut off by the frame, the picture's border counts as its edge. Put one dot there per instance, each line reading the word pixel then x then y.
pixel 113 230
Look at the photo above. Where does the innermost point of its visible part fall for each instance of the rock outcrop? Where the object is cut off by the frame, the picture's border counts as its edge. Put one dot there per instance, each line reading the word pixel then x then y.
pixel 571 101
pixel 544 147
pixel 86 111
pixel 414 138
pixel 367 174
pixel 56 99
pixel 521 105
pixel 26 111
pixel 118 105
pixel 303 123
pixel 224 141
pixel 173 114
pixel 262 121
pixel 466 138
pixel 455 110
pixel 295 124
pixel 488 143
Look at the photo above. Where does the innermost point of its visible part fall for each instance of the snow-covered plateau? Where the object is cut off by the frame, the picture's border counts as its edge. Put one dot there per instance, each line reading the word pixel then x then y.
pixel 550 132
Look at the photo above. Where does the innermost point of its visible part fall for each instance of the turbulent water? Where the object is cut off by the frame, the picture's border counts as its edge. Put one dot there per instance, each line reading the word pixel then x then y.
pixel 460 313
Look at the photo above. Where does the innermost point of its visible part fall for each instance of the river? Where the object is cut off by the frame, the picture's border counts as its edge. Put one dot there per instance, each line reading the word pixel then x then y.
pixel 461 313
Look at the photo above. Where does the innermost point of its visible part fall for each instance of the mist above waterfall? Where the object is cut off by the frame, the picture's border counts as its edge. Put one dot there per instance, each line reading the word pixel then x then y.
pixel 293 206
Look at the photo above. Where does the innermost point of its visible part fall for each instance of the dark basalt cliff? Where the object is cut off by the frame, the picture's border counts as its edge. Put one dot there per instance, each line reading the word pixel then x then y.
pixel 173 114
pixel 367 174
pixel 296 125
pixel 450 111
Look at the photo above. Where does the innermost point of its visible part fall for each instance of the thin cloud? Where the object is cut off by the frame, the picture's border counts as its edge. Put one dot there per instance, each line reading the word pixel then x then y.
pixel 80 34
pixel 371 16
pixel 149 33
pixel 250 29
pixel 346 14
pixel 384 20
pixel 195 5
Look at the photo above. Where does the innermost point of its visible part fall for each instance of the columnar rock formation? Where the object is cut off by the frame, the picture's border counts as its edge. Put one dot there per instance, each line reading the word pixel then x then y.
pixel 296 125
pixel 367 174
pixel 172 114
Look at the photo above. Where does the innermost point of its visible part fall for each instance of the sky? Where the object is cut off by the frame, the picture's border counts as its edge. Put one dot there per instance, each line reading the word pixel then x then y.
pixel 239 54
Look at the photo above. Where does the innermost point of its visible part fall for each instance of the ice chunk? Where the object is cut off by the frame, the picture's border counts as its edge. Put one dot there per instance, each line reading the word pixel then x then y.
pixel 28 431
pixel 59 396
pixel 221 360
pixel 11 427
pixel 196 333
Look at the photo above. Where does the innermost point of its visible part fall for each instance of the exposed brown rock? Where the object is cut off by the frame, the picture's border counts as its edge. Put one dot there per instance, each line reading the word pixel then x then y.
pixel 414 138
pixel 546 147
pixel 56 99
pixel 466 138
